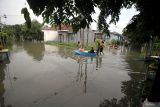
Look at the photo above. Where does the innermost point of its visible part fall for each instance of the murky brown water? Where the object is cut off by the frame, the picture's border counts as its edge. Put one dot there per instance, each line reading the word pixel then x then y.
pixel 39 75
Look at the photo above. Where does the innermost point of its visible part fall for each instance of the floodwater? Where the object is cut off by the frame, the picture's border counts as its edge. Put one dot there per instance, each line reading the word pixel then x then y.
pixel 40 75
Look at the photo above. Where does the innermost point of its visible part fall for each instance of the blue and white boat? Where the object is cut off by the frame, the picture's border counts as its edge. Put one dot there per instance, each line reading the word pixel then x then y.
pixel 84 53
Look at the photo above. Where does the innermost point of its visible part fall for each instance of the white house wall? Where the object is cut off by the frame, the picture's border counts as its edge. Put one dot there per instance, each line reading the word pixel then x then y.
pixel 50 35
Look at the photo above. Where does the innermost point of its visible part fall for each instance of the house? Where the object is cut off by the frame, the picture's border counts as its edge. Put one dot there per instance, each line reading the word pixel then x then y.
pixel 50 34
pixel 114 36
pixel 65 34
pixel 98 35
pixel 56 34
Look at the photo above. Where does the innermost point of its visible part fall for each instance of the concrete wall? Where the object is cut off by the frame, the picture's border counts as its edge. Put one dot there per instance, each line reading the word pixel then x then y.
pixel 50 35
pixel 79 35
pixel 64 37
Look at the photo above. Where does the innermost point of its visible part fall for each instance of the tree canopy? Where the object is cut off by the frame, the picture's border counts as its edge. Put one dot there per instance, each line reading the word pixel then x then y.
pixel 78 13
pixel 17 31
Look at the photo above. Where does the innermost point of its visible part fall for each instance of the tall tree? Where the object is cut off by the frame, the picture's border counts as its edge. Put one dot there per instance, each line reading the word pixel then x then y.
pixel 26 17
pixel 72 12
pixel 78 12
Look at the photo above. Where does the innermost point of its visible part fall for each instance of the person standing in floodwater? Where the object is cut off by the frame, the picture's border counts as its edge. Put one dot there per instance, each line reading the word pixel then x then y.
pixel 79 45
pixel 101 48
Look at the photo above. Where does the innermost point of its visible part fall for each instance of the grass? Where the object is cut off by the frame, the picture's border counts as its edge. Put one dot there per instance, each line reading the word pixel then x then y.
pixel 71 44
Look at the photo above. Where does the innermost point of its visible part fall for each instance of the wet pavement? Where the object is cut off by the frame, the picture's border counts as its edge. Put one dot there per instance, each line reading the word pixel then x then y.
pixel 40 75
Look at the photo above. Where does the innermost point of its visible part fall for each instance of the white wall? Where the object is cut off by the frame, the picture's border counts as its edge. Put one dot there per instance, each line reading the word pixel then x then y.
pixel 50 35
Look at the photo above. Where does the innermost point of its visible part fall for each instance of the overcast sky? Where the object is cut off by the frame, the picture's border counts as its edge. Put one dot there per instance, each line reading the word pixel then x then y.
pixel 12 8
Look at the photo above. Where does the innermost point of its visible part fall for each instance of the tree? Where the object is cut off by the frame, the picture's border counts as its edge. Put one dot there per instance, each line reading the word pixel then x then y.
pixel 78 12
pixel 34 33
pixel 72 12
pixel 20 32
pixel 26 17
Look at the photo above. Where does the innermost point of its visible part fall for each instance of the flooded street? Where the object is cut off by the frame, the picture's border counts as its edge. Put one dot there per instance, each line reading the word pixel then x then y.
pixel 40 75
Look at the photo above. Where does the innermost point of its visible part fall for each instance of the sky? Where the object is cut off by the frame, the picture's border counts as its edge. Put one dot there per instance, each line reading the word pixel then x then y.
pixel 12 9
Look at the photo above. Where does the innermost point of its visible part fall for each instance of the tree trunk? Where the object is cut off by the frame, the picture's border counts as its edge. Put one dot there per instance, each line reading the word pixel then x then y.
pixel 87 36
pixel 150 46
pixel 80 36
pixel 83 39
pixel 145 50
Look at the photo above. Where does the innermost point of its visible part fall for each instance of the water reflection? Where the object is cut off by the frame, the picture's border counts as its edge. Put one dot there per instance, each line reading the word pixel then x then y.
pixel 83 69
pixel 36 50
pixel 3 70
pixel 124 50
pixel 82 72
pixel 65 52
pixel 115 103
pixel 55 79
pixel 98 62
pixel 133 94
pixel 133 88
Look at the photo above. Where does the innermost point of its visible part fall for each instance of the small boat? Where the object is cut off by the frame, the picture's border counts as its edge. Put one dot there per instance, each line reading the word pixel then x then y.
pixel 84 53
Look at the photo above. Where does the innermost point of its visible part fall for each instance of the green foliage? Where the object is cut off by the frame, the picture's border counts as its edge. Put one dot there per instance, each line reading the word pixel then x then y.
pixel 113 42
pixel 34 33
pixel 17 31
pixel 98 41
pixel 137 32
pixel 12 31
pixel 145 25
pixel 8 30
pixel 70 44
pixel 70 12
pixel 26 17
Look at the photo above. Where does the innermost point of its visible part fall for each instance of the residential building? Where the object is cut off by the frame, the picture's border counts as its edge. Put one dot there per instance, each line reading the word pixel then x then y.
pixel 63 34
pixel 114 36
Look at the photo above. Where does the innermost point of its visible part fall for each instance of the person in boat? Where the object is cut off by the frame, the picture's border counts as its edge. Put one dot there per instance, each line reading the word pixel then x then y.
pixel 92 50
pixel 81 49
